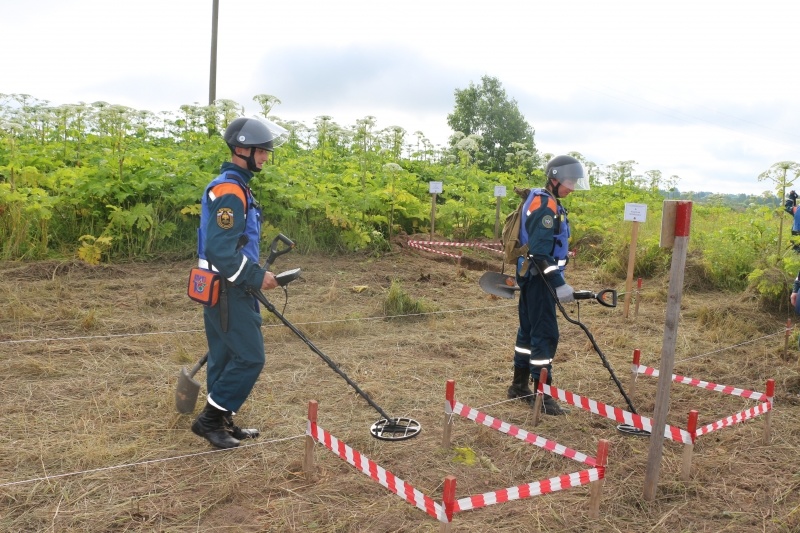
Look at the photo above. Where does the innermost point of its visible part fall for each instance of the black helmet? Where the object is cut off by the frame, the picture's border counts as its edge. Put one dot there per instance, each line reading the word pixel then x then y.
pixel 567 170
pixel 249 133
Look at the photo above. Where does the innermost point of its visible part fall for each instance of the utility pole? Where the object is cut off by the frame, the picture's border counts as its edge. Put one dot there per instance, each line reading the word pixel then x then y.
pixel 212 79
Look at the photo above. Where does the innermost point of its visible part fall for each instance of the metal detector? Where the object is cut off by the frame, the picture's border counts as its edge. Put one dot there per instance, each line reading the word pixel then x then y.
pixel 387 428
pixel 623 428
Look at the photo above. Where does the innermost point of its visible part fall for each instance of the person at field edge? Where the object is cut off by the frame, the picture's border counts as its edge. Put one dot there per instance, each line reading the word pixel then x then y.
pixel 791 207
pixel 795 290
pixel 545 229
pixel 228 243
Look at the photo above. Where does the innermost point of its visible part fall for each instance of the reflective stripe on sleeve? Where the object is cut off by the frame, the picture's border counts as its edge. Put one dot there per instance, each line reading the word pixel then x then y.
pixel 551 269
pixel 232 279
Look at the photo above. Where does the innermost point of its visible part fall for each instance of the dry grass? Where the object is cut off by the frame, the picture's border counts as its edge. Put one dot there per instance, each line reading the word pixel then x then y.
pixel 89 358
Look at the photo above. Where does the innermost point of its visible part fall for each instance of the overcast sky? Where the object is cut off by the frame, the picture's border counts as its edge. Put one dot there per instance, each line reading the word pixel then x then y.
pixel 705 90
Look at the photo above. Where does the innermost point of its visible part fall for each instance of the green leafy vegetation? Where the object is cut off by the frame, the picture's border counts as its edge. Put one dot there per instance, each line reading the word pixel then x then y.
pixel 109 183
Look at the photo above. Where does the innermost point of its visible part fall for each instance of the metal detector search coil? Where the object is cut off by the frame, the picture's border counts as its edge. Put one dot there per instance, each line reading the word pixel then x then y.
pixel 395 429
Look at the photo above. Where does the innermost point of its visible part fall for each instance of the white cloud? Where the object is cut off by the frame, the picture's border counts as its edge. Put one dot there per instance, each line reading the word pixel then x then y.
pixel 703 90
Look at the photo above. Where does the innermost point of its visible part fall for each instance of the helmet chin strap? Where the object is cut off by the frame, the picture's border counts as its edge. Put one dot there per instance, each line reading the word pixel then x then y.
pixel 250 160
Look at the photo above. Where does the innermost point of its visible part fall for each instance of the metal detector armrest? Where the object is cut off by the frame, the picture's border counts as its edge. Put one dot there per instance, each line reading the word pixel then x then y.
pixel 599 296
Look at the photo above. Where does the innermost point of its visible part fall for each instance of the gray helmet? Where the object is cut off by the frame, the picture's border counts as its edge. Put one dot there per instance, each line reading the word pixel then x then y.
pixel 249 133
pixel 568 171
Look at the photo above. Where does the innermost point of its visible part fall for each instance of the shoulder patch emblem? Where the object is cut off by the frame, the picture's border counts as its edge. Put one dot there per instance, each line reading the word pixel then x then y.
pixel 547 221
pixel 225 218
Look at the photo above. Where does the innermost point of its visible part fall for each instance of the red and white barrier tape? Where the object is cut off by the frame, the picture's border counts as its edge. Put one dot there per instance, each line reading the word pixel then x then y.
pixel 377 473
pixel 510 429
pixel 614 413
pixel 725 389
pixel 413 244
pixel 427 246
pixel 735 419
pixel 530 489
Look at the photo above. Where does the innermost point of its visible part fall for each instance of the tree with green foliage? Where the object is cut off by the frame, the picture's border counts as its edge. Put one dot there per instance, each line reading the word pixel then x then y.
pixel 486 110
pixel 778 174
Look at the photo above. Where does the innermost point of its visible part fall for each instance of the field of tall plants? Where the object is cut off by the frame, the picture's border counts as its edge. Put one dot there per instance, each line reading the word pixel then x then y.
pixel 108 183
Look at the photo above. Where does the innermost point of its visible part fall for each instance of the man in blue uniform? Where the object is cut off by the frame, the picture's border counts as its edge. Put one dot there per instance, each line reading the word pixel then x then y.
pixel 791 207
pixel 545 229
pixel 228 243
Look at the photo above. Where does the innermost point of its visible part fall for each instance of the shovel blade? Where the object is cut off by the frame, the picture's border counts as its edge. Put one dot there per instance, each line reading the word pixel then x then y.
pixel 498 284
pixel 186 392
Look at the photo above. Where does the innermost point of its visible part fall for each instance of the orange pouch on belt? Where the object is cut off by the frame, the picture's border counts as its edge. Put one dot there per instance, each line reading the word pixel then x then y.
pixel 203 286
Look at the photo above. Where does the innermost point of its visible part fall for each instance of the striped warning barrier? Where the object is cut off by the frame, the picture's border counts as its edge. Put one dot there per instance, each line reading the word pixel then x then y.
pixel 528 490
pixel 510 429
pixel 376 472
pixel 725 389
pixel 614 413
pixel 443 512
pixel 592 475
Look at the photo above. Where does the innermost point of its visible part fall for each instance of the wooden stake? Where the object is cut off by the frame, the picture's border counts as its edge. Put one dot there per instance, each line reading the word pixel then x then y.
pixel 683 217
pixel 433 214
pixel 770 394
pixel 596 487
pixel 786 338
pixel 688 449
pixel 308 458
pixel 638 290
pixel 450 394
pixel 637 354
pixel 497 218
pixel 449 502
pixel 631 264
pixel 539 398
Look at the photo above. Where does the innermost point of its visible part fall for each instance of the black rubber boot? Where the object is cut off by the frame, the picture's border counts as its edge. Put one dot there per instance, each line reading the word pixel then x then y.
pixel 236 431
pixel 210 424
pixel 519 386
pixel 549 405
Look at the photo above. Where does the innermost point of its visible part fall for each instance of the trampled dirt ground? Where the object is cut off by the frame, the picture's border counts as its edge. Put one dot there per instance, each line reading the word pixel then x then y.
pixel 91 440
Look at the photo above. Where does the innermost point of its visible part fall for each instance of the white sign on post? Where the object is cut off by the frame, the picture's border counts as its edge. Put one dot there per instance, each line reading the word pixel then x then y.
pixel 435 187
pixel 499 191
pixel 635 212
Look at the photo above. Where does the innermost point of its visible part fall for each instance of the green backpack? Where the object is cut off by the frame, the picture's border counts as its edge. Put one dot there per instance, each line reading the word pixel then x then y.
pixel 512 248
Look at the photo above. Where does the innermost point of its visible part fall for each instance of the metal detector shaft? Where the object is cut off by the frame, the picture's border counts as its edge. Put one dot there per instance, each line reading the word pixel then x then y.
pixel 591 338
pixel 271 308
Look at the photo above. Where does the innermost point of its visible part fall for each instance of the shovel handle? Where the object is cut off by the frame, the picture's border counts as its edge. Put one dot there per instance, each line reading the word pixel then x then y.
pixel 198 366
pixel 275 250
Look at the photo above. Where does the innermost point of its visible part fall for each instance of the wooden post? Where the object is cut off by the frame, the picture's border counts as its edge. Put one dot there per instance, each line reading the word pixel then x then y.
pixel 449 395
pixel 683 217
pixel 596 487
pixel 786 338
pixel 539 397
pixel 308 458
pixel 638 290
pixel 637 354
pixel 449 503
pixel 433 214
pixel 497 218
pixel 631 264
pixel 770 394
pixel 688 449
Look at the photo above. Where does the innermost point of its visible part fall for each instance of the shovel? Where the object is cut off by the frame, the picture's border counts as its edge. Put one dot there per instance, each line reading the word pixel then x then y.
pixel 505 286
pixel 188 388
